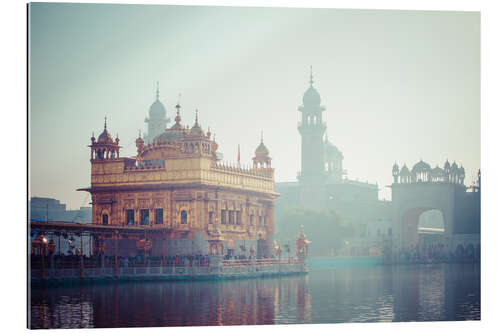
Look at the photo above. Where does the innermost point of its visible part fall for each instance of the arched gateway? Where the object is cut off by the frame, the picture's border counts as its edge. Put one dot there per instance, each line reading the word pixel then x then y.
pixel 423 189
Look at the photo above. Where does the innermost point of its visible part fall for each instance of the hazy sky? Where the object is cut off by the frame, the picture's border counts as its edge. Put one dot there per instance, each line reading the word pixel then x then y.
pixel 397 85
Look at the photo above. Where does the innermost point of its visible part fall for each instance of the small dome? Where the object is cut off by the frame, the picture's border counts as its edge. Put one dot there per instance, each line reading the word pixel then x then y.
pixel 311 97
pixel 395 167
pixel 302 238
pixel 105 137
pixel 454 166
pixel 405 171
pixel 262 149
pixel 420 167
pixel 169 135
pixel 332 151
pixel 437 171
pixel 446 165
pixel 157 110
pixel 196 130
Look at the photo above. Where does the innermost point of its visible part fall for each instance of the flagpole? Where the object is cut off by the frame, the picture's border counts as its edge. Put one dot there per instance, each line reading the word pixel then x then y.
pixel 238 155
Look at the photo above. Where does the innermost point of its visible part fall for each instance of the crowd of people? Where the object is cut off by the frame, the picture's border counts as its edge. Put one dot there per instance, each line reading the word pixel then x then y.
pixel 432 252
pixel 74 260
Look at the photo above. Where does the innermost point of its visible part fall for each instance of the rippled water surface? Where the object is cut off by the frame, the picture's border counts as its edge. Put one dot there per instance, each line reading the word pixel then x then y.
pixel 325 295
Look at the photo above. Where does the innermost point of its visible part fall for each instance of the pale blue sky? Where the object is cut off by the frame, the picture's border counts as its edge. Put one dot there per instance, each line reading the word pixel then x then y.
pixel 398 85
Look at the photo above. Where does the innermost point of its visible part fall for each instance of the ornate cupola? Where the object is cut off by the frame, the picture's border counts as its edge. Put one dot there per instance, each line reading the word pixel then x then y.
pixel 405 175
pixel 461 174
pixel 105 147
pixel 454 172
pixel 261 159
pixel 139 143
pixel 177 125
pixel 196 129
pixel 302 244
pixel 447 170
pixel 311 96
pixel 395 172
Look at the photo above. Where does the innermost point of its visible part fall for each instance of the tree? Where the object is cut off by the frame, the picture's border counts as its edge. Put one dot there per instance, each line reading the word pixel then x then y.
pixel 326 229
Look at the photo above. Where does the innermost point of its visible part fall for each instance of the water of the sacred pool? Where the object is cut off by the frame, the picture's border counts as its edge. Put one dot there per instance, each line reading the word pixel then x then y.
pixel 367 293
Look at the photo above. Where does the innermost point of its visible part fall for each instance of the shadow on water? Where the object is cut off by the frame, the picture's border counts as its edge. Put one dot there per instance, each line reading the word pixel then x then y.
pixel 328 294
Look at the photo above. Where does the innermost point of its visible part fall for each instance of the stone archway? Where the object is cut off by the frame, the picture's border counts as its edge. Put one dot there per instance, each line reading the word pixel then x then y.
pixel 413 223
pixel 410 201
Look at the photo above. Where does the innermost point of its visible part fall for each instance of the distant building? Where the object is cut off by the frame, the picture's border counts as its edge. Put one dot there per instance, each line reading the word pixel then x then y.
pixel 179 193
pixel 322 181
pixel 157 120
pixel 49 209
pixel 52 210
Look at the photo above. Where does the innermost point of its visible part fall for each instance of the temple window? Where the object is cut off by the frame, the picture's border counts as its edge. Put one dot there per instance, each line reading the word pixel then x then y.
pixel 159 216
pixel 238 217
pixel 223 216
pixel 231 217
pixel 184 217
pixel 144 216
pixel 130 217
pixel 210 217
pixel 251 219
pixel 260 220
pixel 265 220
pixel 105 219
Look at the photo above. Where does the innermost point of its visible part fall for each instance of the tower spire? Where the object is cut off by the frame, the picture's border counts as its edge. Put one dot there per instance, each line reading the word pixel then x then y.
pixel 196 117
pixel 105 123
pixel 178 116
pixel 311 77
pixel 261 136
pixel 157 90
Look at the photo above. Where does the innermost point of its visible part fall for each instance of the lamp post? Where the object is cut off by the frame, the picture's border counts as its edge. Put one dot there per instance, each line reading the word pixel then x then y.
pixel 42 252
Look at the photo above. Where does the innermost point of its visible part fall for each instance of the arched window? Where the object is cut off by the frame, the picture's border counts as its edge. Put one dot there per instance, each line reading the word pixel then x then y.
pixel 105 219
pixel 184 217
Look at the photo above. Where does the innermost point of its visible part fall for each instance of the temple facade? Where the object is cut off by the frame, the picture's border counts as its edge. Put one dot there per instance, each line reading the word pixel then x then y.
pixel 184 198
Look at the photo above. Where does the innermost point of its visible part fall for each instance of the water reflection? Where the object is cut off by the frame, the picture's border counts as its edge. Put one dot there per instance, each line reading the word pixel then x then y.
pixel 342 294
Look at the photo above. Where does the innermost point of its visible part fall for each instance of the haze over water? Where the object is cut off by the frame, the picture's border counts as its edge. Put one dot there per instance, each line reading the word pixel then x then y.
pixel 325 295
